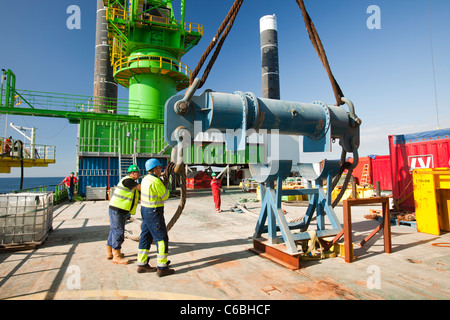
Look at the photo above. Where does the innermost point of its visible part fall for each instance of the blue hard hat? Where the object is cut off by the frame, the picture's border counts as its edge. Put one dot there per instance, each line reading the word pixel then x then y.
pixel 152 163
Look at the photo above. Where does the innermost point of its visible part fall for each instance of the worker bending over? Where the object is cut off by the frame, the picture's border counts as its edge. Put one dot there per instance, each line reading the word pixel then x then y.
pixel 153 226
pixel 123 202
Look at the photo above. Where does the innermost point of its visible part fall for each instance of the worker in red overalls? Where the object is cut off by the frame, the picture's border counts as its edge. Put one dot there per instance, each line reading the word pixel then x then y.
pixel 70 182
pixel 216 187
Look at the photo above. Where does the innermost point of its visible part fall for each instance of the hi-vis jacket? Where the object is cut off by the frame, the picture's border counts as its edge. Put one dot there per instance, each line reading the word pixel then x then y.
pixel 153 192
pixel 123 197
pixel 67 181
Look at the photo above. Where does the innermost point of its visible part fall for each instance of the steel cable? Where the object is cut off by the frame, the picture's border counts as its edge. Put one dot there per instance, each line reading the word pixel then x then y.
pixel 338 94
pixel 318 46
pixel 182 175
pixel 219 39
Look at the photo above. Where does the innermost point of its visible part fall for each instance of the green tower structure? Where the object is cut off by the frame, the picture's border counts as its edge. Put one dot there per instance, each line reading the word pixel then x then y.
pixel 146 45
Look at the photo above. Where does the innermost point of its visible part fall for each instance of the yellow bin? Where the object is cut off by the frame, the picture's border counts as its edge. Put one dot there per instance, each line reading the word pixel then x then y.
pixel 432 199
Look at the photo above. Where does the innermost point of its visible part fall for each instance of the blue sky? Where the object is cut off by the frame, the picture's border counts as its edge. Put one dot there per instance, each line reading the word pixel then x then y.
pixel 386 72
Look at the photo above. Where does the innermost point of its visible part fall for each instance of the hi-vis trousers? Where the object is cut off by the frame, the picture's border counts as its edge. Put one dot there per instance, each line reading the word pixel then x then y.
pixel 153 228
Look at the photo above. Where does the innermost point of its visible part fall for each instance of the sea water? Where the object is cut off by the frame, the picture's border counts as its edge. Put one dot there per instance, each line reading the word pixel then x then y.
pixel 12 184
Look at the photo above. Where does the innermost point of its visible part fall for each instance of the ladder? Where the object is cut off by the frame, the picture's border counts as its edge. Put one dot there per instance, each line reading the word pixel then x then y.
pixel 125 161
pixel 365 175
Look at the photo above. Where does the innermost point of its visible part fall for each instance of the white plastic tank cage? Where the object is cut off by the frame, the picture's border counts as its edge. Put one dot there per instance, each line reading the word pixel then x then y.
pixel 25 218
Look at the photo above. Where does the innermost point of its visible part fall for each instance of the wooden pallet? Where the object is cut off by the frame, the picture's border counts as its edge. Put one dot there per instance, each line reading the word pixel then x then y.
pixel 397 222
pixel 5 248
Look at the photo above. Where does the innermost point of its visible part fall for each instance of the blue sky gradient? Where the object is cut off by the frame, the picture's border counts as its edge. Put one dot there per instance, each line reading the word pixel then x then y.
pixel 386 72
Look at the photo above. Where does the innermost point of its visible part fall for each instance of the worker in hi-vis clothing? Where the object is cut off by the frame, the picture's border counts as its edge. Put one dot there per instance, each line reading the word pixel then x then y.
pixel 123 202
pixel 153 225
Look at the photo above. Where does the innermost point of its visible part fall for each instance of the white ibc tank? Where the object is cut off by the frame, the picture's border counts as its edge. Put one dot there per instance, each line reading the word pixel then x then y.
pixel 25 217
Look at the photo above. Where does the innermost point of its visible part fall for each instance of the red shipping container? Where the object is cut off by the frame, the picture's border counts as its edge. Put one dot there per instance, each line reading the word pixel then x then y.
pixel 429 149
pixel 358 171
pixel 381 171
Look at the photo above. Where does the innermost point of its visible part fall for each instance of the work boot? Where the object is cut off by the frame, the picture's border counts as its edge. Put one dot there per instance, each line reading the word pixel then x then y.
pixel 165 272
pixel 109 254
pixel 146 268
pixel 118 257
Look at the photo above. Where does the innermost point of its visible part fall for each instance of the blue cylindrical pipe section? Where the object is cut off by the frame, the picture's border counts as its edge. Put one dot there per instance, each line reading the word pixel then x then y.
pixel 229 111
pixel 243 111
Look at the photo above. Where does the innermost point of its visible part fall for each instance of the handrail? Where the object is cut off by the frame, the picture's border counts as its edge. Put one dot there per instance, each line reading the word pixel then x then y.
pixel 114 14
pixel 49 101
pixel 145 61
pixel 41 152
pixel 94 145
pixel 148 146
pixel 59 194
pixel 192 26
pixel 97 145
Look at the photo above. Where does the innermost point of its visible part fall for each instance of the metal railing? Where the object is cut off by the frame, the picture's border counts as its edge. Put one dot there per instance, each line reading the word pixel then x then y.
pixel 193 27
pixel 59 192
pixel 98 145
pixel 75 103
pixel 10 148
pixel 117 50
pixel 98 172
pixel 75 107
pixel 152 62
pixel 112 146
pixel 148 146
pixel 116 13
pixel 120 17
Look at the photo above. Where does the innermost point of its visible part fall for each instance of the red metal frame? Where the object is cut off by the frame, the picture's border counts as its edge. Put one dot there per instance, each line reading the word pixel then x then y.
pixel 347 230
pixel 276 254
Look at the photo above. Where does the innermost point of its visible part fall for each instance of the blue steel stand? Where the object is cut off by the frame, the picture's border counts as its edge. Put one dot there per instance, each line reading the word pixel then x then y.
pixel 319 203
